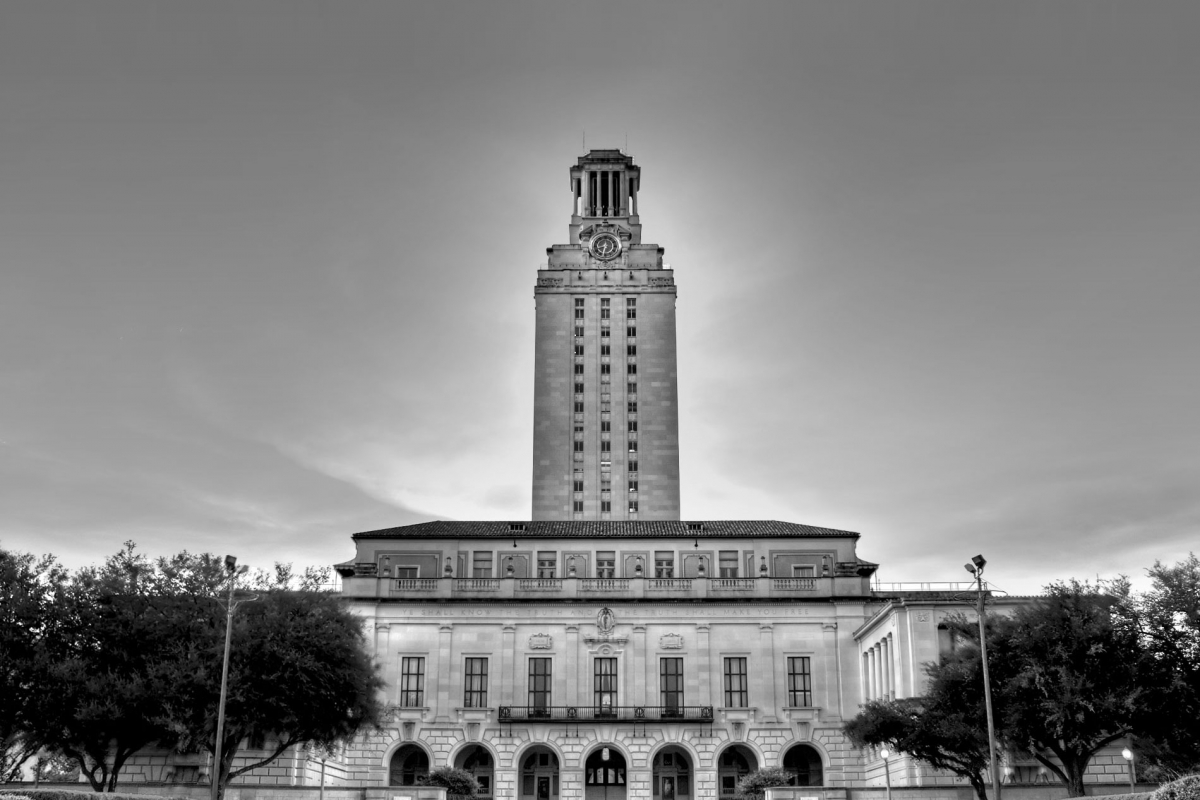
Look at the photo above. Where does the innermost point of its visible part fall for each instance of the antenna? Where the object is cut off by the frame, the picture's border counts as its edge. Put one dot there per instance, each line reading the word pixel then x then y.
pixel 626 142
pixel 585 140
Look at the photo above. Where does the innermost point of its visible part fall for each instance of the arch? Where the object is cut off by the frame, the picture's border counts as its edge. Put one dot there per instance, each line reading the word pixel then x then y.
pixel 673 774
pixel 604 774
pixel 481 763
pixel 537 773
pixel 734 763
pixel 408 766
pixel 804 765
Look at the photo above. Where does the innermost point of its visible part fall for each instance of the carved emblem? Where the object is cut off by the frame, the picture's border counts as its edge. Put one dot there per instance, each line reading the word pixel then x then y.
pixel 541 641
pixel 923 616
pixel 606 620
pixel 671 641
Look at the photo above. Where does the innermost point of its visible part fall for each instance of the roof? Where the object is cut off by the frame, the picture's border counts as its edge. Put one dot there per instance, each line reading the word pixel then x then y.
pixel 606 529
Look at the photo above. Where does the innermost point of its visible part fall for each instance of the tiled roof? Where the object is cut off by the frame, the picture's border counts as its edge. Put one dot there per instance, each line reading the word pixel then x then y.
pixel 604 529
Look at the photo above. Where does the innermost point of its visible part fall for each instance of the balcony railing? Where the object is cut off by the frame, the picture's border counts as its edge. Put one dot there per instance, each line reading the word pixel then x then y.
pixel 631 588
pixel 604 713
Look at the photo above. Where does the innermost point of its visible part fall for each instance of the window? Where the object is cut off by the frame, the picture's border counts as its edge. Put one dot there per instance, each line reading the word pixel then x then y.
pixel 579 313
pixel 631 388
pixel 631 350
pixel 579 388
pixel 735 683
pixel 604 303
pixel 632 406
pixel 605 350
pixel 578 506
pixel 606 564
pixel 412 682
pixel 605 369
pixel 633 445
pixel 475 694
pixel 578 331
pixel 408 573
pixel 633 484
pixel 605 426
pixel 633 466
pixel 578 349
pixel 604 333
pixel 605 506
pixel 481 564
pixel 578 406
pixel 578 429
pixel 631 332
pixel 670 686
pixel 804 571
pixel 631 369
pixel 539 686
pixel 604 685
pixel 579 302
pixel 633 506
pixel 577 485
pixel 727 564
pixel 547 561
pixel 664 562
pixel 799 681
pixel 633 426
pixel 606 483
pixel 578 447
pixel 605 446
pixel 579 369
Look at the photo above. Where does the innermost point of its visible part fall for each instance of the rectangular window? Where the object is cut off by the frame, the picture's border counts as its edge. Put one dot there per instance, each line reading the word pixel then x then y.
pixel 578 331
pixel 539 686
pixel 727 564
pixel 579 302
pixel 633 485
pixel 579 313
pixel 633 446
pixel 579 388
pixel 605 446
pixel 664 563
pixel 631 332
pixel 670 686
pixel 481 564
pixel 604 333
pixel 604 685
pixel 606 483
pixel 605 369
pixel 578 349
pixel 603 312
pixel 578 506
pixel 736 683
pixel 633 426
pixel 606 564
pixel 631 350
pixel 547 561
pixel 633 506
pixel 633 466
pixel 578 406
pixel 631 388
pixel 475 694
pixel 579 369
pixel 605 426
pixel 799 681
pixel 804 571
pixel 412 682
pixel 632 406
pixel 605 506
pixel 578 447
pixel 631 369
pixel 605 349
pixel 577 485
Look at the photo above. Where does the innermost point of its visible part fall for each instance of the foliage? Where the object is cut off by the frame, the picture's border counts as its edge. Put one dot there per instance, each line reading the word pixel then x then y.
pixel 1185 788
pixel 755 784
pixel 454 781
pixel 57 768
pixel 30 589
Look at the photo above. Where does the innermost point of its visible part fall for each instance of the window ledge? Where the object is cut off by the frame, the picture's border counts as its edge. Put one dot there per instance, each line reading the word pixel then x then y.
pixel 738 714
pixel 407 712
pixel 802 713
pixel 475 714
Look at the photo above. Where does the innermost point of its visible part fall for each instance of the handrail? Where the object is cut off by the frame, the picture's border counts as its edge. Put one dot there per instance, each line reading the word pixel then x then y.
pixel 600 713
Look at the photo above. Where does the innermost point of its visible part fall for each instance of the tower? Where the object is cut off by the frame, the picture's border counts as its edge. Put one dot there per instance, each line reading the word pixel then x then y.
pixel 605 409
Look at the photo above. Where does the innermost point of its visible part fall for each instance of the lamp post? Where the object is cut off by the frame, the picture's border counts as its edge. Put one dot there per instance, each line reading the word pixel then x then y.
pixel 887 772
pixel 1127 754
pixel 976 568
pixel 232 571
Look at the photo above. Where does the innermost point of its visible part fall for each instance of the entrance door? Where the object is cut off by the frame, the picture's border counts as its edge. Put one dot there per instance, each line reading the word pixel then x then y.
pixel 604 775
pixel 539 775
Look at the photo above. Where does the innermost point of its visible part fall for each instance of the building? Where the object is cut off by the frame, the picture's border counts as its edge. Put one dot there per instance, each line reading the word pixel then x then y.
pixel 608 649
pixel 605 407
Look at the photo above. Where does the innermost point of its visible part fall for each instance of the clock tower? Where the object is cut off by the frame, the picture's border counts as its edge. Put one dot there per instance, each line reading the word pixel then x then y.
pixel 606 400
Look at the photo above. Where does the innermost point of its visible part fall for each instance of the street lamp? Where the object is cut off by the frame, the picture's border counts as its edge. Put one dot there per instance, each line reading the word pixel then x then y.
pixel 232 571
pixel 976 568
pixel 887 772
pixel 1127 754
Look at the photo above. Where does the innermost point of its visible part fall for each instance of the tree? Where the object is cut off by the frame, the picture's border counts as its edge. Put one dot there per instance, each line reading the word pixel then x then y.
pixel 454 781
pixel 946 728
pixel 299 672
pixel 30 589
pixel 754 784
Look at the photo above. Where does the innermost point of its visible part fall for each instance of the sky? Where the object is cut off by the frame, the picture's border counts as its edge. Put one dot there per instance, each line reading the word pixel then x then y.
pixel 267 268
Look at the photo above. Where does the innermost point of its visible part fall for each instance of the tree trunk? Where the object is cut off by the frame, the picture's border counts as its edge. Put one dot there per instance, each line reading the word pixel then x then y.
pixel 980 787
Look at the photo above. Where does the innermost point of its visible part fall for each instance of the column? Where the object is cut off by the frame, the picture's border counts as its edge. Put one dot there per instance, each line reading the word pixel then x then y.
pixel 622 193
pixel 641 694
pixel 508 669
pixel 445 672
pixel 766 670
pixel 632 197
pixel 873 688
pixel 385 660
pixel 705 678
pixel 575 666
pixel 866 678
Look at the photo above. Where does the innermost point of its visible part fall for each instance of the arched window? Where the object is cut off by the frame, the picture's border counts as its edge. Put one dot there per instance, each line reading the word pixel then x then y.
pixel 539 775
pixel 672 777
pixel 478 761
pixel 409 767
pixel 803 765
pixel 734 764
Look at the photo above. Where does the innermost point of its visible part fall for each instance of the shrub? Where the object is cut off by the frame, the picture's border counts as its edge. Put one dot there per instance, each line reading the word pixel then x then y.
pixel 1186 788
pixel 755 784
pixel 454 781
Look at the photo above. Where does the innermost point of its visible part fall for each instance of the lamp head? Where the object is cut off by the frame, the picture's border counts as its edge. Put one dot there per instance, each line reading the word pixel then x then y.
pixel 979 561
pixel 969 568
pixel 230 563
pixel 884 753
pixel 1127 754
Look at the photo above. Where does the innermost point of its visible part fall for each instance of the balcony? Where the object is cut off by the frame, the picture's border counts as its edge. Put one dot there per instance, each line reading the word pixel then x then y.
pixel 606 713
pixel 579 588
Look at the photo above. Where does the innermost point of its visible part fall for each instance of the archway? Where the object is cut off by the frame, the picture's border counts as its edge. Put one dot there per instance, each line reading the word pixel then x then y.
pixel 539 774
pixel 803 765
pixel 672 777
pixel 409 766
pixel 604 775
pixel 478 761
pixel 735 762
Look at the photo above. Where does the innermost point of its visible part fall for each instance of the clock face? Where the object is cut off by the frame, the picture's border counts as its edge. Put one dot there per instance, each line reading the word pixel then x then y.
pixel 605 246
